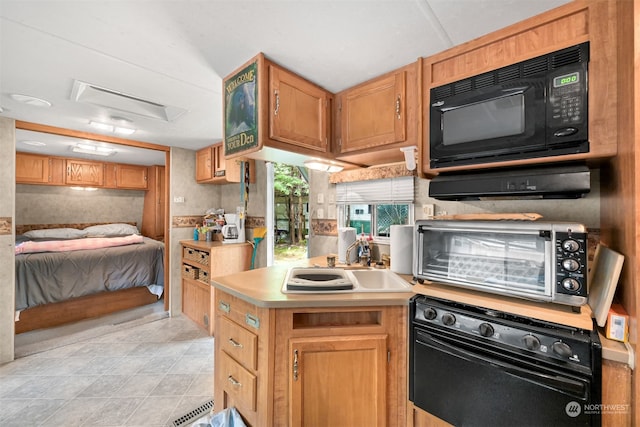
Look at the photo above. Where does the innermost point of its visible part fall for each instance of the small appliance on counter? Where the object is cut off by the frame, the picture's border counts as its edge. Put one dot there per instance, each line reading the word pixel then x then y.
pixel 535 260
pixel 234 230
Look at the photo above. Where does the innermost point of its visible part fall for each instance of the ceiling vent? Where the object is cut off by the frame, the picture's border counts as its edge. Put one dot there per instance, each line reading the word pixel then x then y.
pixel 114 100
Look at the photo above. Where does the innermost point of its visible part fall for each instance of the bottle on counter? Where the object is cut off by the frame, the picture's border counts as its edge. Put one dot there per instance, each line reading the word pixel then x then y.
pixel 195 233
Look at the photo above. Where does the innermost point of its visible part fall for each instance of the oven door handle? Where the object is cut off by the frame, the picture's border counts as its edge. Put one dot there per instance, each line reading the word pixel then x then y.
pixel 563 384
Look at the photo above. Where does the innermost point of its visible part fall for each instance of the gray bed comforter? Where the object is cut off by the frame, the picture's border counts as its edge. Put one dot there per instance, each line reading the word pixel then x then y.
pixel 48 277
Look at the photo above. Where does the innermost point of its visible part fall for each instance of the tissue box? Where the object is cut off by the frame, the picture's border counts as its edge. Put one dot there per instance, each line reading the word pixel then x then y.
pixel 617 324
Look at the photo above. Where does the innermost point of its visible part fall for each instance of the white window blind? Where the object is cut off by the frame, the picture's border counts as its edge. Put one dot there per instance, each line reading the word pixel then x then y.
pixel 393 190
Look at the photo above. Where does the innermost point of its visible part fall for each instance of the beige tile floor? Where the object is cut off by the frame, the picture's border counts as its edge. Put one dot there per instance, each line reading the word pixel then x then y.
pixel 145 375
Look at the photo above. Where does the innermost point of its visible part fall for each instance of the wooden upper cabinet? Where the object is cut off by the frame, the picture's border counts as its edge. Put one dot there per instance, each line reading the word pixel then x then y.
pixel 32 168
pixel 38 169
pixel 213 168
pixel 210 163
pixel 124 176
pixel 374 119
pixel 299 111
pixel 269 109
pixel 84 172
pixel 374 114
pixel 132 176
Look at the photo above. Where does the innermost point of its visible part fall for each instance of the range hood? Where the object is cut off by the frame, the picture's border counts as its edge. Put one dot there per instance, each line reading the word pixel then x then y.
pixel 558 181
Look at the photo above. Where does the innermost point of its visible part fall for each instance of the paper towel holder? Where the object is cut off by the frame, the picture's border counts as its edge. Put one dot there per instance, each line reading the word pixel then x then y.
pixel 410 157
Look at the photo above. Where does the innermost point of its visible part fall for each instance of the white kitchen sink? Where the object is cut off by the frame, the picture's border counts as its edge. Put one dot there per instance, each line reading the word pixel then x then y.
pixel 338 280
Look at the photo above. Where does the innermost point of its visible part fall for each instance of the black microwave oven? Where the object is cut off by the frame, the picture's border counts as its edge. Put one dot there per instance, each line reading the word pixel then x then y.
pixel 535 108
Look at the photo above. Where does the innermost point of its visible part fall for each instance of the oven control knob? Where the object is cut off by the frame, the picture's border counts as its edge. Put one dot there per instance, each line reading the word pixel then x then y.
pixel 561 349
pixel 448 319
pixel 486 330
pixel 570 264
pixel 430 313
pixel 571 284
pixel 531 342
pixel 570 245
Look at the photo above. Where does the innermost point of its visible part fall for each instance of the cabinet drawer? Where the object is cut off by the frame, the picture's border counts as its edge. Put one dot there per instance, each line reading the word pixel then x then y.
pixel 239 343
pixel 240 311
pixel 239 383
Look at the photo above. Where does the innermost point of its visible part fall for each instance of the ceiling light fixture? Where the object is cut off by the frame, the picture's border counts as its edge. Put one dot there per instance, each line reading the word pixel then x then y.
pixel 111 128
pixel 322 165
pixel 34 143
pixel 30 100
pixel 93 150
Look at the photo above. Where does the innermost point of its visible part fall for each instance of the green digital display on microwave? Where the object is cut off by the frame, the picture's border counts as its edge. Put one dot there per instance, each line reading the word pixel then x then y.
pixel 567 79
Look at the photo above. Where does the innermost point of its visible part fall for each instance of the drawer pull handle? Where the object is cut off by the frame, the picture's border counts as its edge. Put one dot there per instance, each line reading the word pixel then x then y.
pixel 295 365
pixel 224 306
pixel 252 321
pixel 234 382
pixel 235 343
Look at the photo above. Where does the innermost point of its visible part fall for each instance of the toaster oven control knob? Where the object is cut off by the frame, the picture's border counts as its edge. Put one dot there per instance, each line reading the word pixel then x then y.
pixel 531 342
pixel 486 330
pixel 448 319
pixel 571 284
pixel 430 313
pixel 570 245
pixel 570 264
pixel 562 349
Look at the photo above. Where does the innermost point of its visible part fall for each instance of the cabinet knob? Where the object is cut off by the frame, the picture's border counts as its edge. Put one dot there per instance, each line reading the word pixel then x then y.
pixel 398 107
pixel 277 108
pixel 295 365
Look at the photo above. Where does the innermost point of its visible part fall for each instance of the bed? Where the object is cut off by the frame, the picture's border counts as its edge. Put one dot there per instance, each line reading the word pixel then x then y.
pixel 66 274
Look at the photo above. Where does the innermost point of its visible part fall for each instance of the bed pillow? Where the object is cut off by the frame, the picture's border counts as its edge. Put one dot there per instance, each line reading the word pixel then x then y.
pixel 56 233
pixel 108 230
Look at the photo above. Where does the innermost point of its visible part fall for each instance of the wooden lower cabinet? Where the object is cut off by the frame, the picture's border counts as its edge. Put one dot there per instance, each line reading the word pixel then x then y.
pixel 338 380
pixel 311 366
pixel 201 261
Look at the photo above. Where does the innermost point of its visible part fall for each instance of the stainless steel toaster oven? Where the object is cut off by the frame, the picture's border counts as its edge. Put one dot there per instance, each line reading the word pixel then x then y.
pixel 541 261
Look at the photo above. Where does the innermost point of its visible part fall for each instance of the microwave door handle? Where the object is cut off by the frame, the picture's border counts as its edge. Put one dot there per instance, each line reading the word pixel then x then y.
pixel 563 384
pixel 496 94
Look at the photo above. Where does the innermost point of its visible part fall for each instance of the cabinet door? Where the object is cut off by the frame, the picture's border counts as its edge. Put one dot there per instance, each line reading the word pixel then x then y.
pixel 154 204
pixel 374 114
pixel 131 176
pixel 32 169
pixel 298 111
pixel 338 380
pixel 110 178
pixel 84 172
pixel 204 167
pixel 217 158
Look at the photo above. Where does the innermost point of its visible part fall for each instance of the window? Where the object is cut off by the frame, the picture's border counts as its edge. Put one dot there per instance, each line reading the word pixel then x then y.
pixel 372 207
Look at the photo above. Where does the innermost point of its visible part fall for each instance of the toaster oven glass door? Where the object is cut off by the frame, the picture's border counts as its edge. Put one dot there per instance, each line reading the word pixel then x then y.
pixel 516 262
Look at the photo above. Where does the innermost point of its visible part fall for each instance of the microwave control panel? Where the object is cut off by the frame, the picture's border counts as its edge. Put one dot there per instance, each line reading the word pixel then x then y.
pixel 571 263
pixel 567 109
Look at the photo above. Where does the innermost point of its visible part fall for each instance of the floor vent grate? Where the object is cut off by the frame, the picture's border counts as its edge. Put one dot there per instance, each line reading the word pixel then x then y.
pixel 190 417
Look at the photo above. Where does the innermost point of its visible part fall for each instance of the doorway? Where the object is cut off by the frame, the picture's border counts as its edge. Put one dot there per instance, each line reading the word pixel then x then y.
pixel 290 207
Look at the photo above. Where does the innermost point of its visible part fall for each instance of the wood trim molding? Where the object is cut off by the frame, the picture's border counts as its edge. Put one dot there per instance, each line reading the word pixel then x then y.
pixel 35 127
pixel 371 173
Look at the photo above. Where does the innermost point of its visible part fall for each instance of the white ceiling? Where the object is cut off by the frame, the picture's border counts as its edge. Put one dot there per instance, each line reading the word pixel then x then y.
pixel 175 52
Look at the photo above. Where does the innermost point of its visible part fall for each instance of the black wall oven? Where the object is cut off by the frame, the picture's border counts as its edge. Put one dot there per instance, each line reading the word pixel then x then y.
pixel 472 366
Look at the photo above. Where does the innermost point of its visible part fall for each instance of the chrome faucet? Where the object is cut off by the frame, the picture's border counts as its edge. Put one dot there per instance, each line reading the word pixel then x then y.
pixel 369 245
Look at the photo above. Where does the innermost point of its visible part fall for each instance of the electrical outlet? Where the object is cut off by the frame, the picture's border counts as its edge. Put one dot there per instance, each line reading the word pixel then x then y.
pixel 429 210
pixel 178 199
